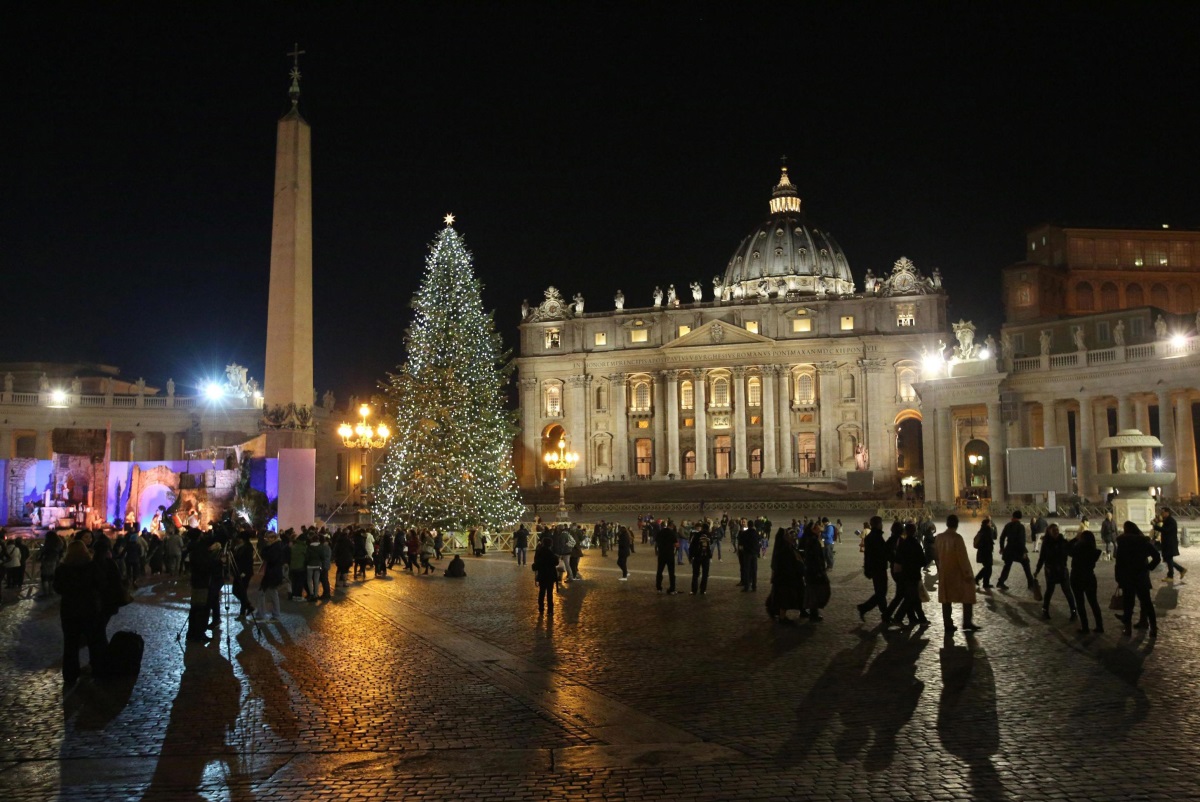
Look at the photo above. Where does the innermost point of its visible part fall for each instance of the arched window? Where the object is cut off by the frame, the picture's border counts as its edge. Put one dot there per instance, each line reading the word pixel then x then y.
pixel 601 396
pixel 847 385
pixel 687 395
pixel 553 400
pixel 907 377
pixel 804 389
pixel 1108 297
pixel 1085 298
pixel 754 391
pixel 1160 297
pixel 720 392
pixel 641 397
pixel 1134 295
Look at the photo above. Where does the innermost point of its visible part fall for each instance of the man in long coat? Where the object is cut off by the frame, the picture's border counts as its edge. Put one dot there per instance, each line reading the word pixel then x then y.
pixel 956 579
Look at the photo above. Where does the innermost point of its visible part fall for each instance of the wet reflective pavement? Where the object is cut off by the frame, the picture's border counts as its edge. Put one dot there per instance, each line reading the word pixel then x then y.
pixel 457 689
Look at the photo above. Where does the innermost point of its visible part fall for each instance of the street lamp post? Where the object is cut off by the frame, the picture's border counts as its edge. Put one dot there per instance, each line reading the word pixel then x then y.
pixel 562 461
pixel 364 437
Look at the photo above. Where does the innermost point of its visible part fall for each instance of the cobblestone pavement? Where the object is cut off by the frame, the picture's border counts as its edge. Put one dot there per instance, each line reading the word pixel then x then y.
pixel 438 689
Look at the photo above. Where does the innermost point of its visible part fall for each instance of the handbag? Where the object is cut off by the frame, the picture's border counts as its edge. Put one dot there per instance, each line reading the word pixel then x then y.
pixel 1117 602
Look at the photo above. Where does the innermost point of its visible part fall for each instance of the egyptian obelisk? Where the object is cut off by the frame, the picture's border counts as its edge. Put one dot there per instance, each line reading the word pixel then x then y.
pixel 288 385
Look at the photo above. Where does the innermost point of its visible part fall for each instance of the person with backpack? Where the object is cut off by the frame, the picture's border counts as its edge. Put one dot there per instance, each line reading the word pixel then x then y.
pixel 562 544
pixel 700 554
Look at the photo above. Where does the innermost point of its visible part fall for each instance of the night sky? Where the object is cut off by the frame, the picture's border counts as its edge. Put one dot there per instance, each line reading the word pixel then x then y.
pixel 589 147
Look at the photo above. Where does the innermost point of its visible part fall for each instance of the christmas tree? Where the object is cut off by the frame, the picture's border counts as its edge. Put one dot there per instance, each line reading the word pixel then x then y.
pixel 448 464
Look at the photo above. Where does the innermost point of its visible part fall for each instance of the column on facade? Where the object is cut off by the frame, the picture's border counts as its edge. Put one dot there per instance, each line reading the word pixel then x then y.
pixel 787 463
pixel 1185 436
pixel 827 414
pixel 43 443
pixel 1166 433
pixel 530 436
pixel 1085 463
pixel 1049 423
pixel 770 435
pixel 997 451
pixel 947 455
pixel 660 426
pixel 877 435
pixel 1125 419
pixel 930 469
pixel 700 399
pixel 739 424
pixel 620 411
pixel 1103 456
pixel 673 424
pixel 576 426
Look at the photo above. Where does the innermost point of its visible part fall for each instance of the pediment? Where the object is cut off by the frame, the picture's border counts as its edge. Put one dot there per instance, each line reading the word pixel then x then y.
pixel 718 332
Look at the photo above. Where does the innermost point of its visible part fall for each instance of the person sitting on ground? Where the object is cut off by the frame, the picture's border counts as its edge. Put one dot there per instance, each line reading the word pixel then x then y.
pixel 457 569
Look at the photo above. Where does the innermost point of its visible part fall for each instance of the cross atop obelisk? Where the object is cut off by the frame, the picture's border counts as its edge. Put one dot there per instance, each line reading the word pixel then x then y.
pixel 294 90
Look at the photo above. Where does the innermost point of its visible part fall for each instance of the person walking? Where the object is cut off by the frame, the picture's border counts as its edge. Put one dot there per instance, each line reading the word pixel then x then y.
pixel 1108 534
pixel 343 558
pixel 910 562
pixel 562 545
pixel 787 577
pixel 326 564
pixel 172 552
pixel 748 547
pixel 700 555
pixel 665 544
pixel 426 553
pixel 1136 558
pixel 275 557
pixel 985 542
pixel 814 552
pixel 875 568
pixel 1084 555
pixel 76 581
pixel 624 547
pixel 1053 558
pixel 1168 543
pixel 1013 549
pixel 312 565
pixel 243 560
pixel 520 544
pixel 1037 527
pixel 956 583
pixel 545 573
pixel 828 538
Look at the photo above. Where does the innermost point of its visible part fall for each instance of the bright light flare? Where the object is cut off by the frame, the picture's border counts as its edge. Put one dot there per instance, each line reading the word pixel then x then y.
pixel 214 391
pixel 1179 340
pixel 58 396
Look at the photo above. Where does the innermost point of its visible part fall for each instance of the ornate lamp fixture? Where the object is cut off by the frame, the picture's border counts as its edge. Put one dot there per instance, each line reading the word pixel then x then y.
pixel 562 461
pixel 364 437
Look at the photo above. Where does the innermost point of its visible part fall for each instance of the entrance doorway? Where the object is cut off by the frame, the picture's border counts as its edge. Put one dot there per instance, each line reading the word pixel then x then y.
pixel 756 463
pixel 645 457
pixel 976 465
pixel 910 458
pixel 689 464
pixel 721 452
pixel 806 453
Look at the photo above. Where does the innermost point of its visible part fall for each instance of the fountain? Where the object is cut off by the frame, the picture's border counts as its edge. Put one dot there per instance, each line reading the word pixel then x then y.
pixel 1133 478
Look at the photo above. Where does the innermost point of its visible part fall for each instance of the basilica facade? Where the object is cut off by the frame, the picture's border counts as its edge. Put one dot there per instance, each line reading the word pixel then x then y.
pixel 785 367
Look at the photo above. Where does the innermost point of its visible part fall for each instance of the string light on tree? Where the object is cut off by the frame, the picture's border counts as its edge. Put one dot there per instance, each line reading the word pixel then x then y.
pixel 448 464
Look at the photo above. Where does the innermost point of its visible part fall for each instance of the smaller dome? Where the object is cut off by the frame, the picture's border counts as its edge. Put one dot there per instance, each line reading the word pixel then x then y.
pixel 785 254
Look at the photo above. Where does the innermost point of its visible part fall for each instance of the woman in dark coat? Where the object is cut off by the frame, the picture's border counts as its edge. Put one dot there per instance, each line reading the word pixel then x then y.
pixel 78 582
pixel 1136 558
pixel 1084 555
pixel 275 556
pixel 343 557
pixel 545 569
pixel 624 547
pixel 787 577
pixel 816 578
pixel 111 586
pixel 985 543
pixel 909 562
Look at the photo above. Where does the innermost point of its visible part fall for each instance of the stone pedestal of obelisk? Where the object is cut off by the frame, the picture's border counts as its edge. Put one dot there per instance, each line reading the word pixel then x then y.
pixel 288 386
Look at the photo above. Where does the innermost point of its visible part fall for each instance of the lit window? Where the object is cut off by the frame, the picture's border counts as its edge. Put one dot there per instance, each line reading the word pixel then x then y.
pixel 641 397
pixel 601 338
pixel 643 424
pixel 553 338
pixel 804 388
pixel 687 395
pixel 801 325
pixel 752 326
pixel 688 423
pixel 754 391
pixel 847 322
pixel 553 400
pixel 721 392
pixel 685 330
pixel 639 336
pixel 755 420
pixel 907 393
pixel 906 315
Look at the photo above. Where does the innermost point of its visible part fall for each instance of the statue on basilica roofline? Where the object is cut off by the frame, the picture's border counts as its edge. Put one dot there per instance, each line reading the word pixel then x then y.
pixel 43 383
pixel 697 292
pixel 658 297
pixel 764 288
pixel 171 387
pixel 1077 336
pixel 578 302
pixel 1160 328
pixel 870 282
pixel 1006 346
pixel 1044 341
pixel 8 382
pixel 936 279
pixel 718 289
pixel 672 298
pixel 989 345
pixel 964 332
pixel 524 308
pixel 140 386
pixel 76 386
pixel 1119 333
pixel 619 300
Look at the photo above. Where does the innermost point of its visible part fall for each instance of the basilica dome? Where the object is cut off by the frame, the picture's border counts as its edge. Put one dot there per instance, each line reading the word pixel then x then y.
pixel 786 254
